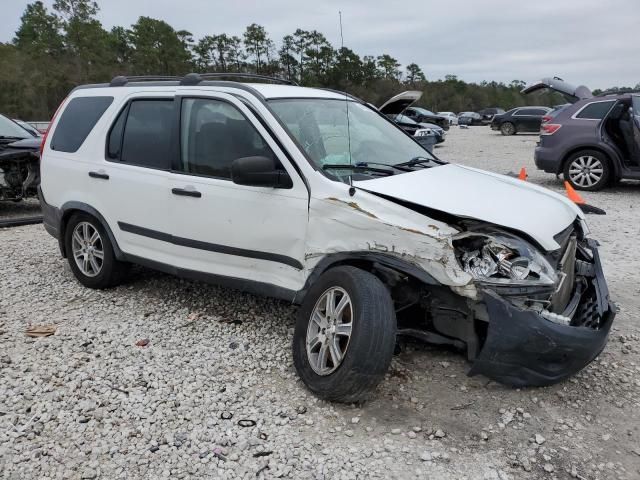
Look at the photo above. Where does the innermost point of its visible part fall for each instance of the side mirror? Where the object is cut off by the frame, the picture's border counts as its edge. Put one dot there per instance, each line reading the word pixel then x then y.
pixel 259 172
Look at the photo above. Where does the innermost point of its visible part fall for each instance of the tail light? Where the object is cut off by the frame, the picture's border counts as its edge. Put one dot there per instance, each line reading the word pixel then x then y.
pixel 546 118
pixel 549 128
pixel 46 133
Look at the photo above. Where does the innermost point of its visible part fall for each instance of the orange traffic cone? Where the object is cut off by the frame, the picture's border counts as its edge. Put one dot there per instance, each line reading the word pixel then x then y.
pixel 523 174
pixel 573 195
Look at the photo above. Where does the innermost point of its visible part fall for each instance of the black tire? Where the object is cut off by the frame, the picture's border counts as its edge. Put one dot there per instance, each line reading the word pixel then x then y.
pixel 111 273
pixel 370 346
pixel 573 164
pixel 508 128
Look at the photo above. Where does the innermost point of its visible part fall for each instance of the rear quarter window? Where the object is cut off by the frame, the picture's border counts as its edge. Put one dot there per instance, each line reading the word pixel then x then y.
pixel 595 111
pixel 77 121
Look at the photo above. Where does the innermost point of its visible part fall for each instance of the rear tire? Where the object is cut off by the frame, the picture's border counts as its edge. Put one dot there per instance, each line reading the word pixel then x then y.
pixel 90 253
pixel 364 357
pixel 588 170
pixel 508 128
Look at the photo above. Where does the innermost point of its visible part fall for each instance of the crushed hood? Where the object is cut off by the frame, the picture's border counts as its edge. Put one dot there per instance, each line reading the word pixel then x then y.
pixel 475 194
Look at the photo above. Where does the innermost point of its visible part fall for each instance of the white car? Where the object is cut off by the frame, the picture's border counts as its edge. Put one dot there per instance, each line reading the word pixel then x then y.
pixel 452 117
pixel 269 189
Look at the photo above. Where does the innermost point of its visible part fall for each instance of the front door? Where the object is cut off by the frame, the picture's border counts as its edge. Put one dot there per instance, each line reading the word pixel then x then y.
pixel 255 234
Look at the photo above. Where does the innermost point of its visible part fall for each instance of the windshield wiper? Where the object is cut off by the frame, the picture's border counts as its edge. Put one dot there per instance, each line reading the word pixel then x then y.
pixel 419 161
pixel 397 166
pixel 358 167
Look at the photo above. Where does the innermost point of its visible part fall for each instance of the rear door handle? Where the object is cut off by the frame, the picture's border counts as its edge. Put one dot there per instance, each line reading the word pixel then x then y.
pixel 101 174
pixel 183 192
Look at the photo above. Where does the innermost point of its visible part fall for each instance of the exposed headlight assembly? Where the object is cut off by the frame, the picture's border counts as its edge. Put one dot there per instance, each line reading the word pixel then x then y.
pixel 423 132
pixel 501 259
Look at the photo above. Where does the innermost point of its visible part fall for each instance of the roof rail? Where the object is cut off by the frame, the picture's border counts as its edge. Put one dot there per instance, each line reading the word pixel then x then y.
pixel 121 80
pixel 196 78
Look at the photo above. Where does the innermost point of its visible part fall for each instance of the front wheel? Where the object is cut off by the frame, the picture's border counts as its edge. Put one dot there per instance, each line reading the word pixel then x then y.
pixel 507 128
pixel 345 335
pixel 587 170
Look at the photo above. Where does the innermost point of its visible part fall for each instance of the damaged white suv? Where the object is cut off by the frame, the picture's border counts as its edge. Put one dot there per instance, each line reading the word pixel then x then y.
pixel 314 197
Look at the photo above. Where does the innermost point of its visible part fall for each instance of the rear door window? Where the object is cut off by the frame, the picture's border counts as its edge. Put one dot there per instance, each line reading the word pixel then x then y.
pixel 595 111
pixel 77 121
pixel 141 135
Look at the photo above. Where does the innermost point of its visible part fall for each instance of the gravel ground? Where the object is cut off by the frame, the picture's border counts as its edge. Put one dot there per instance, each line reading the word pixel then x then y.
pixel 88 402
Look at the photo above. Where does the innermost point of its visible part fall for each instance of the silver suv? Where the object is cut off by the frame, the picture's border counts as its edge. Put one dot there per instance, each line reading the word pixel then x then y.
pixel 593 141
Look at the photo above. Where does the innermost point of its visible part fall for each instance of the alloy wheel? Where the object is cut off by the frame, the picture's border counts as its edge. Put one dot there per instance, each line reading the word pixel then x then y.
pixel 586 171
pixel 87 249
pixel 329 330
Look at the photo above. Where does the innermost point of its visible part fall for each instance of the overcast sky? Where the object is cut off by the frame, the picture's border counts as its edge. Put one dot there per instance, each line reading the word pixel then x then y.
pixel 593 42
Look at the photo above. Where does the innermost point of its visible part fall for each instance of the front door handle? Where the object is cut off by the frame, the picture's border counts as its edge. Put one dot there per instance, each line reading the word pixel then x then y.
pixel 183 192
pixel 100 174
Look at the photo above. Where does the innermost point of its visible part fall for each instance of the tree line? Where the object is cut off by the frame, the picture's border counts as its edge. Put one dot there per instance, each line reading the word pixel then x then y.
pixel 58 49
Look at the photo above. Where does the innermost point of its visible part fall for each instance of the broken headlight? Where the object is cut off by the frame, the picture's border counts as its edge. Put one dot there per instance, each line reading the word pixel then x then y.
pixel 502 259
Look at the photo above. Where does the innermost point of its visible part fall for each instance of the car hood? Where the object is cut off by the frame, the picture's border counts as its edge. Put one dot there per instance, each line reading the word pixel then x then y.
pixel 32 143
pixel 475 194
pixel 400 102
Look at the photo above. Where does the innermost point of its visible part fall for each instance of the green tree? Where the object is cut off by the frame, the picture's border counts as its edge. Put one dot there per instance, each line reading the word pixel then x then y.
pixel 389 66
pixel 157 49
pixel 414 74
pixel 287 58
pixel 257 43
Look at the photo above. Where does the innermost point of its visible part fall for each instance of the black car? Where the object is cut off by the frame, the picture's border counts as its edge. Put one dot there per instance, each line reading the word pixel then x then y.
pixel 520 119
pixel 470 118
pixel 19 161
pixel 395 109
pixel 422 115
pixel 594 141
pixel 488 113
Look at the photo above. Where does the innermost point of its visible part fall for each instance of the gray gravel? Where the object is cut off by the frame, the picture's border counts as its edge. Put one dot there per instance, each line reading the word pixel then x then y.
pixel 88 402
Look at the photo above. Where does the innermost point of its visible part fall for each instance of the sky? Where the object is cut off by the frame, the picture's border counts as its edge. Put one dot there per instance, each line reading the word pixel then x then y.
pixel 590 42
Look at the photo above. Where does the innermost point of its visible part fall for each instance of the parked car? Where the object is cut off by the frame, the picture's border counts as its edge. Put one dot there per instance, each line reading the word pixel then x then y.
pixel 317 198
pixel 488 113
pixel 450 116
pixel 593 141
pixel 19 161
pixel 423 115
pixel 423 133
pixel 28 127
pixel 519 120
pixel 470 118
pixel 42 127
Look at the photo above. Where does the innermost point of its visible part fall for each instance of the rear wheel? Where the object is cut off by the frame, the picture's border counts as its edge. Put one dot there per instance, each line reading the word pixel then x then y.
pixel 345 335
pixel 90 253
pixel 587 170
pixel 508 128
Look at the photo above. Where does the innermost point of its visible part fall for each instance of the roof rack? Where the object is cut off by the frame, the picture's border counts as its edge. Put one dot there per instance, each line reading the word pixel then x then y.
pixel 196 78
pixel 121 80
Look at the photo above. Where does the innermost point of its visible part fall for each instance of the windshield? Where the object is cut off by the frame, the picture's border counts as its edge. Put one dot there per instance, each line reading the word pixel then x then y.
pixel 320 128
pixel 27 127
pixel 10 129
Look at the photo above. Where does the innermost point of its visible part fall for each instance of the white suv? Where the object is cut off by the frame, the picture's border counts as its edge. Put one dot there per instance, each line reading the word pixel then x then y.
pixel 314 197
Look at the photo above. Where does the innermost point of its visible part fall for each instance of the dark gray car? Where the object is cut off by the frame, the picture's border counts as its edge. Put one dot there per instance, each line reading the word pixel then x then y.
pixel 593 141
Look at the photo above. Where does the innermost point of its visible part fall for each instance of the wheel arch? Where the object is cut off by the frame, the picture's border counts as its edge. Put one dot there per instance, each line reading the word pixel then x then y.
pixel 69 208
pixel 368 261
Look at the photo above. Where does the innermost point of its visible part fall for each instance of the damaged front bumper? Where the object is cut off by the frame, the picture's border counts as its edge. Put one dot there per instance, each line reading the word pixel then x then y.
pixel 523 348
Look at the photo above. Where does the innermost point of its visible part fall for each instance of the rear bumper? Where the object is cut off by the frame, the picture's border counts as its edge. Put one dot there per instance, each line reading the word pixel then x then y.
pixel 547 160
pixel 51 216
pixel 524 349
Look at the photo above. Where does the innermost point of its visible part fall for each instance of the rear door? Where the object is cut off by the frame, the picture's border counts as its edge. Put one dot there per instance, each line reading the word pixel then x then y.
pixel 527 119
pixel 255 234
pixel 133 180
